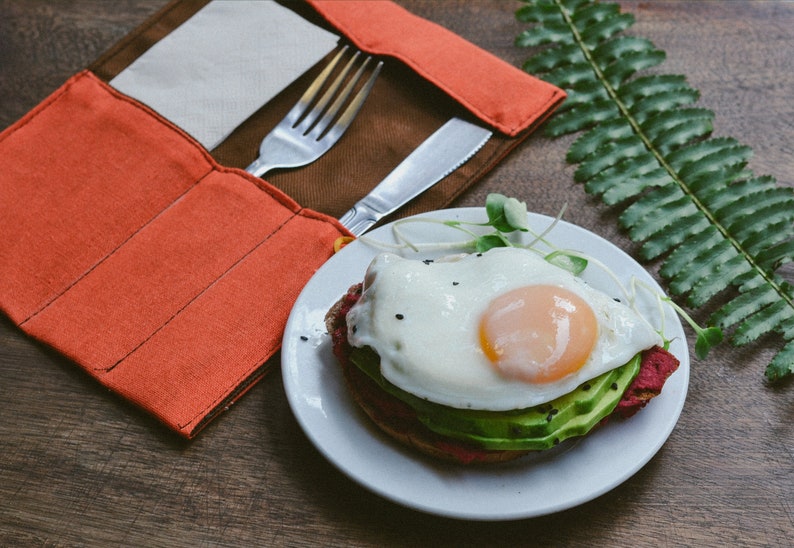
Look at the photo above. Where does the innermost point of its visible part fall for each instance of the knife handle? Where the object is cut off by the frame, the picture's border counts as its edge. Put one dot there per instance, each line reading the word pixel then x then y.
pixel 359 218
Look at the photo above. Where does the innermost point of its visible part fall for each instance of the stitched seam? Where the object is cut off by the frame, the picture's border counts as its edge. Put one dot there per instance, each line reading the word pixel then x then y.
pixel 463 101
pixel 418 67
pixel 163 121
pixel 198 295
pixel 118 96
pixel 201 417
pixel 112 252
pixel 214 165
pixel 198 417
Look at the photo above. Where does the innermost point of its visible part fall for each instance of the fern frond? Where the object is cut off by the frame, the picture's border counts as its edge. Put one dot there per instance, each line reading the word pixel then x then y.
pixel 690 199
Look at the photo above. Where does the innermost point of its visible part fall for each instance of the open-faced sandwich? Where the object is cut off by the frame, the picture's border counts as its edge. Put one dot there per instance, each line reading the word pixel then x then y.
pixel 486 356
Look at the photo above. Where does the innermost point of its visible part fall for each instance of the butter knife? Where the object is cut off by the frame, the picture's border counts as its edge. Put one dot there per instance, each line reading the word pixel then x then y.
pixel 438 156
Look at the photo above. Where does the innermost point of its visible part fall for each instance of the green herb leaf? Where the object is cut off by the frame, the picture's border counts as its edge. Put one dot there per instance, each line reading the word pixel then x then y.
pixel 516 214
pixel 489 241
pixel 706 340
pixel 572 263
pixel 506 214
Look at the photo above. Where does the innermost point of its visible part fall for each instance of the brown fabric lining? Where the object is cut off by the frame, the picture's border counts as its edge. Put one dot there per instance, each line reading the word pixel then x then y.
pixel 401 112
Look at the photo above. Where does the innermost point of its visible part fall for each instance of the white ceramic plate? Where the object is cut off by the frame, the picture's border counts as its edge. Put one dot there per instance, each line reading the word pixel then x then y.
pixel 550 481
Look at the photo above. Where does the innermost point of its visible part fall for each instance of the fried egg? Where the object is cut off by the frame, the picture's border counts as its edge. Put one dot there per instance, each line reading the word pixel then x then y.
pixel 495 331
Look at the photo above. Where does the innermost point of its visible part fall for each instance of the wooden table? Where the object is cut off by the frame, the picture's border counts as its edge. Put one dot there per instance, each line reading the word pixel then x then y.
pixel 79 466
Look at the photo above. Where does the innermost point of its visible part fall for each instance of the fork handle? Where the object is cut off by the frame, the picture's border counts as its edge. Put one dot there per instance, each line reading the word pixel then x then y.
pixel 259 167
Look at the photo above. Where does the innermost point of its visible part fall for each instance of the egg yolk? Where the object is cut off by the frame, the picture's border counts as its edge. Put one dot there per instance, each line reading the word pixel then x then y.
pixel 538 334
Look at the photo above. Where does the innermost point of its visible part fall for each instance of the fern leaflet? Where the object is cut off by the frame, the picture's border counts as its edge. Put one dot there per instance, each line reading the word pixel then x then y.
pixel 689 198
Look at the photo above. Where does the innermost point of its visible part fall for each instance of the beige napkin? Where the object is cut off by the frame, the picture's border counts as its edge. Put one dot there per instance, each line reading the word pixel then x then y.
pixel 223 64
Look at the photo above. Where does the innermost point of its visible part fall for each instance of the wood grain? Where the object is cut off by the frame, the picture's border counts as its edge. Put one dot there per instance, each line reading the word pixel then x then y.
pixel 80 467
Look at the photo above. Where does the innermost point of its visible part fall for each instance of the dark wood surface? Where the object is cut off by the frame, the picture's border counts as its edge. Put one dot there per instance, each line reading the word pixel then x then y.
pixel 80 467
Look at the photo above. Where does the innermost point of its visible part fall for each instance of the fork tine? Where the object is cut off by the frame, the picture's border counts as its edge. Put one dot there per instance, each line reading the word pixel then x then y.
pixel 344 121
pixel 293 142
pixel 311 93
pixel 334 110
pixel 310 118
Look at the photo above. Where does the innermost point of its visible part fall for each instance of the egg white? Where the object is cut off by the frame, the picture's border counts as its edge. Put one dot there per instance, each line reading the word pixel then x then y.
pixel 422 318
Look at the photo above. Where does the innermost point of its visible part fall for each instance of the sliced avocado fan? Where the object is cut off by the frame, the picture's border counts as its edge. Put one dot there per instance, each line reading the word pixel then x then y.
pixel 535 428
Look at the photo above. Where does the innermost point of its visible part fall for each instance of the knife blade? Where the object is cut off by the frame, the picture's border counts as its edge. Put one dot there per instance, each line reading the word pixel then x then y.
pixel 438 156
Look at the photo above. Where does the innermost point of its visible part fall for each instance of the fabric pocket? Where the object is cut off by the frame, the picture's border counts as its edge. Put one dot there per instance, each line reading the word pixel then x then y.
pixel 165 276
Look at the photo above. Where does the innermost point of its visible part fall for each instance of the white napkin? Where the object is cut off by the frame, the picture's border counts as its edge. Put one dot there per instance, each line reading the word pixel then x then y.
pixel 219 67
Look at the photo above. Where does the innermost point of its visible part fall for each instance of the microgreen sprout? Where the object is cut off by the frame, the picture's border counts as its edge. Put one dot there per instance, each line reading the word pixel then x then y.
pixel 707 337
pixel 505 215
pixel 573 263
pixel 508 215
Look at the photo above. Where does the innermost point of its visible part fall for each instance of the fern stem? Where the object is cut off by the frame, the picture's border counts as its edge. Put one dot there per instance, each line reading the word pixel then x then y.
pixel 637 129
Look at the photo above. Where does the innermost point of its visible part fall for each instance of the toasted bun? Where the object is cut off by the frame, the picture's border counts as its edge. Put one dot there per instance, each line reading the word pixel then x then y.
pixel 399 421
pixel 391 415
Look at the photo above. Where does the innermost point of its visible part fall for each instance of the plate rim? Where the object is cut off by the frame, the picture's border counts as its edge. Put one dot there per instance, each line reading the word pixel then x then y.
pixel 336 455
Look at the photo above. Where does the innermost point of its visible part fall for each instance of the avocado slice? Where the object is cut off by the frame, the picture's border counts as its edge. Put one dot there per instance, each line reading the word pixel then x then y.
pixel 535 428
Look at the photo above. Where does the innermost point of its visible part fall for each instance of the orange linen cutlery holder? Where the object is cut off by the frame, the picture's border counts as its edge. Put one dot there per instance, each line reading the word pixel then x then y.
pixel 167 274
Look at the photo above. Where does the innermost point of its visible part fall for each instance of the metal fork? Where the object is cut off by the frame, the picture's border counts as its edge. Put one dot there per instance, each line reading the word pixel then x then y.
pixel 304 135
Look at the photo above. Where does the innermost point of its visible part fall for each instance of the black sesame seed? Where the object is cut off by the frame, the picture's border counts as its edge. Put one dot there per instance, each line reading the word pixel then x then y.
pixel 304 338
pixel 479 254
pixel 427 261
pixel 586 386
pixel 399 316
pixel 455 283
pixel 614 386
pixel 554 411
pixel 556 441
pixel 355 328
pixel 549 417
